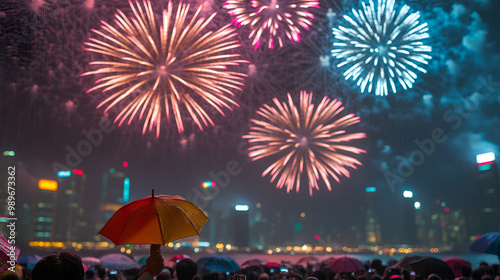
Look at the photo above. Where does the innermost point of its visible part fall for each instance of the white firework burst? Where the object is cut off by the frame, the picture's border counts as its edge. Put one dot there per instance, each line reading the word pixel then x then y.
pixel 382 47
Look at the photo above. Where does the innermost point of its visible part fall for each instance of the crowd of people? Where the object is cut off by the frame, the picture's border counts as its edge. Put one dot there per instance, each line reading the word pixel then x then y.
pixel 69 266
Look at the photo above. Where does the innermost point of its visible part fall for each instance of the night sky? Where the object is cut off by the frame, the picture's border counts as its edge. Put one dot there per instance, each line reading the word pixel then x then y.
pixel 44 111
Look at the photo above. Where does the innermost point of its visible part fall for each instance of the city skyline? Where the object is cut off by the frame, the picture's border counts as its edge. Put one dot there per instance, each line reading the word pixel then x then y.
pixel 424 139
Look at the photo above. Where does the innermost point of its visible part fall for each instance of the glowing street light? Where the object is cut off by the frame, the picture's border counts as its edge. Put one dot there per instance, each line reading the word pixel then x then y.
pixel 241 208
pixel 371 189
pixel 486 158
pixel 417 205
pixel 407 194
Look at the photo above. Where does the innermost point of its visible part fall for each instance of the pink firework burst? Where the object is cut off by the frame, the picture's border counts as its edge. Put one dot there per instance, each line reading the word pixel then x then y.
pixel 307 139
pixel 175 69
pixel 272 20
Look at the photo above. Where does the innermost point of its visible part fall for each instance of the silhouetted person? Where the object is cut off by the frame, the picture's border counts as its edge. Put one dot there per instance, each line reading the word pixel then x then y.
pixel 466 273
pixel 320 275
pixel 477 274
pixel 164 275
pixel 433 277
pixel 210 276
pixel 10 276
pixel 377 265
pixel 186 269
pixel 263 276
pixel 61 266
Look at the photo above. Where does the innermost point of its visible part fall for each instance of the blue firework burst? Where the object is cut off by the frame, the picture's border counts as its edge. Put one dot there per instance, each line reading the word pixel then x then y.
pixel 382 48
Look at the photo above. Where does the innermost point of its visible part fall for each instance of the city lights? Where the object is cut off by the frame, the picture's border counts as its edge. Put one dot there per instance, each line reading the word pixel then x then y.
pixel 371 189
pixel 417 205
pixel 9 153
pixel 64 173
pixel 486 158
pixel 48 185
pixel 407 194
pixel 78 171
pixel 241 208
pixel 207 184
pixel 126 189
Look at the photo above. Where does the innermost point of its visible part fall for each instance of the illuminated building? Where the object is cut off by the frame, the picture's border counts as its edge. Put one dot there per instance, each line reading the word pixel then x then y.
pixel 115 192
pixel 7 159
pixel 409 225
pixel 70 222
pixel 241 226
pixel 57 209
pixel 44 211
pixel 372 224
pixel 488 196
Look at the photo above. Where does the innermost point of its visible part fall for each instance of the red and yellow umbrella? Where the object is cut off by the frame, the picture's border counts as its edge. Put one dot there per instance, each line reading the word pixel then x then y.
pixel 154 220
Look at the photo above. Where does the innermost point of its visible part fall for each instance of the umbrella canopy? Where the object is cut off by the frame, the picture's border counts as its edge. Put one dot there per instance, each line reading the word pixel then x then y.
pixel 6 252
pixel 456 264
pixel 91 261
pixel 346 264
pixel 405 262
pixel 179 258
pixel 327 261
pixel 488 243
pixel 154 220
pixel 28 261
pixel 252 262
pixel 308 259
pixel 428 266
pixel 118 262
pixel 273 264
pixel 217 263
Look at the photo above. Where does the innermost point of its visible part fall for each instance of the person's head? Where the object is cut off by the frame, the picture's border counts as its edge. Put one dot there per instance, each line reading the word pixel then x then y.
pixel 164 275
pixel 186 269
pixel 433 277
pixel 477 274
pixel 494 269
pixel 89 274
pixel 319 275
pixel 211 276
pixel 466 271
pixel 101 272
pixel 483 264
pixel 263 276
pixel 10 276
pixel 61 266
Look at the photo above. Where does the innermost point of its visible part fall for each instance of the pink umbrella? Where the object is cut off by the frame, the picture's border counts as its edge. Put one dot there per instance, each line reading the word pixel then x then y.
pixel 456 264
pixel 346 264
pixel 179 258
pixel 273 264
pixel 252 262
pixel 91 261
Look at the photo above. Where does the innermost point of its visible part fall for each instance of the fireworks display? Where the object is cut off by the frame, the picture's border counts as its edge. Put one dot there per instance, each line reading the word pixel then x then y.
pixel 304 140
pixel 380 47
pixel 178 66
pixel 271 21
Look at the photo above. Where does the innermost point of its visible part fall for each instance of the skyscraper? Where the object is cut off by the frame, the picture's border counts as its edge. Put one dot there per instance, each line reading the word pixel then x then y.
pixel 241 226
pixel 487 206
pixel 44 214
pixel 115 190
pixel 57 209
pixel 70 193
pixel 372 224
